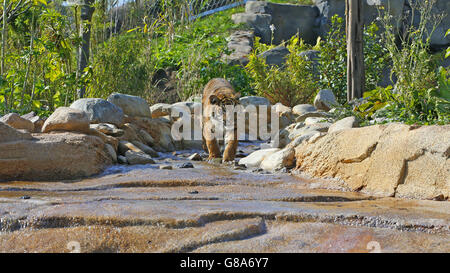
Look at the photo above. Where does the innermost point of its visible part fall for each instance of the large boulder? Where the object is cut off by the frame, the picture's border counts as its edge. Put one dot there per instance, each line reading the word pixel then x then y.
pixel 287 19
pixel 328 8
pixel 8 133
pixel 99 110
pixel 438 39
pixel 385 160
pixel 275 56
pixel 55 156
pixel 260 24
pixel 325 100
pixel 17 122
pixel 159 131
pixel 67 119
pixel 132 106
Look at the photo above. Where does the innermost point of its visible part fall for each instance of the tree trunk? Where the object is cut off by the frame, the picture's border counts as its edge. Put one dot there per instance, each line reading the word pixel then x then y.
pixel 355 54
pixel 87 10
pixel 4 31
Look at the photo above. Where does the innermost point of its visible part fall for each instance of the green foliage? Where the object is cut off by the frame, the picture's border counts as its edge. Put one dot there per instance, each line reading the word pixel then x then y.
pixel 38 62
pixel 333 58
pixel 291 84
pixel 119 67
pixel 199 69
pixel 126 63
pixel 420 92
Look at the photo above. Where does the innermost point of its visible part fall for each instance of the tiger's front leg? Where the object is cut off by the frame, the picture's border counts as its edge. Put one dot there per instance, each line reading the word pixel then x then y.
pixel 230 150
pixel 211 142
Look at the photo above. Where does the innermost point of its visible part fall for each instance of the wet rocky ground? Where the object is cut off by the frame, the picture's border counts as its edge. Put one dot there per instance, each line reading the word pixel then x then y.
pixel 211 208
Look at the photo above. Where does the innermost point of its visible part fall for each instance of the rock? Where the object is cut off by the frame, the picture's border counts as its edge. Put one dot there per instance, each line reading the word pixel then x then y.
pixel 165 167
pixel 257 7
pixel 195 157
pixel 345 123
pixel 315 120
pixel 253 100
pixel 302 109
pixel 259 23
pixel 122 160
pixel 254 159
pixel 325 100
pixel 107 139
pixel 438 40
pixel 148 139
pixel 36 120
pixel 287 19
pixel 296 130
pixel 38 123
pixel 112 152
pixel 383 160
pixel 99 110
pixel 146 149
pixel 17 122
pixel 279 160
pixel 29 115
pixel 107 129
pixel 132 106
pixel 134 158
pixel 56 156
pixel 124 146
pixel 160 132
pixel 187 105
pixel 275 56
pixel 313 57
pixel 8 134
pixel 130 132
pixel 285 114
pixel 290 20
pixel 160 110
pixel 240 44
pixel 67 119
pixel 328 8
pixel 186 165
pixel 319 114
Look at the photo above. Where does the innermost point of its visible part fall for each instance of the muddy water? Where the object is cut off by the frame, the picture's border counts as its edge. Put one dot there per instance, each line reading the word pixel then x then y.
pixel 211 208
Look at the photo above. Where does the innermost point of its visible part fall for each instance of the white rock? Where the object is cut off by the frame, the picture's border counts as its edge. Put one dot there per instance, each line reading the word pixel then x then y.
pixel 345 123
pixel 279 159
pixel 254 159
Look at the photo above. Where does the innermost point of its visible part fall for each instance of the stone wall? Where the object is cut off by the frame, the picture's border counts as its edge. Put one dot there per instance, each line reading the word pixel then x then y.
pixel 313 21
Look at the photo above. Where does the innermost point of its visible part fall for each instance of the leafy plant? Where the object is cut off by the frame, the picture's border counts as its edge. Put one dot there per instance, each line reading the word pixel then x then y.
pixel 291 84
pixel 333 58
pixel 416 96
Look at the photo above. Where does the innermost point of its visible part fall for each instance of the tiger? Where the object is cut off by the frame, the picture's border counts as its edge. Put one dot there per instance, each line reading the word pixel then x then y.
pixel 220 93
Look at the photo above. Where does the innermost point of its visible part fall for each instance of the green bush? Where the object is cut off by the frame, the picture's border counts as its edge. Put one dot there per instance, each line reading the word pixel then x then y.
pixel 291 84
pixel 333 58
pixel 420 94
pixel 118 67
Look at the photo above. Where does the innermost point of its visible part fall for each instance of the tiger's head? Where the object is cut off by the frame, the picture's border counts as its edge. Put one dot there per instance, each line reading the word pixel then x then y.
pixel 223 97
